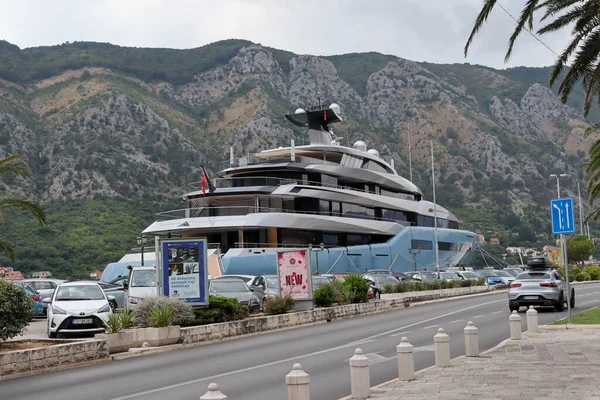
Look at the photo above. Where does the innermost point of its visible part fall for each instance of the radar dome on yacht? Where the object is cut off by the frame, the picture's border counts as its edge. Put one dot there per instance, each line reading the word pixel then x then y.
pixel 373 152
pixel 335 107
pixel 360 145
pixel 299 111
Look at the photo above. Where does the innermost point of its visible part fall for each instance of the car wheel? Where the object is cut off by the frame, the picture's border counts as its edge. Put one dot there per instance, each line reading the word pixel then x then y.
pixel 513 308
pixel 560 305
pixel 377 295
pixel 572 298
pixel 262 305
pixel 52 335
pixel 113 305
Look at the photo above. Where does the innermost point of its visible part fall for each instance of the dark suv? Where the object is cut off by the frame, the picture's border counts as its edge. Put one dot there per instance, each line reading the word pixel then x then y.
pixel 378 278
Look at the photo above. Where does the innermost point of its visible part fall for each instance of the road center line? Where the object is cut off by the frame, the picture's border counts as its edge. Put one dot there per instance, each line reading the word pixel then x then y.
pixel 430 326
pixel 456 321
pixel 400 333
pixel 478 316
pixel 255 367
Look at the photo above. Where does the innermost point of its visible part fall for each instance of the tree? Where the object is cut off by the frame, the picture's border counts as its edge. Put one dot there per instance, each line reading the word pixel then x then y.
pixel 16 310
pixel 582 53
pixel 15 164
pixel 580 248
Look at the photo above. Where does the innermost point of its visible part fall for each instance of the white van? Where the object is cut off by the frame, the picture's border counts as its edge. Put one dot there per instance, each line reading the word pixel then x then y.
pixel 142 284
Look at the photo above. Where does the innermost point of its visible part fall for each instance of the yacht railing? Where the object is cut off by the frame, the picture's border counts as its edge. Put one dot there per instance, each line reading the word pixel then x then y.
pixel 271 181
pixel 257 245
pixel 209 211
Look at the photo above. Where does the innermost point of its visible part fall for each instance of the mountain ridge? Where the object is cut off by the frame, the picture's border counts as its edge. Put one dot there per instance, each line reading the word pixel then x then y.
pixel 97 121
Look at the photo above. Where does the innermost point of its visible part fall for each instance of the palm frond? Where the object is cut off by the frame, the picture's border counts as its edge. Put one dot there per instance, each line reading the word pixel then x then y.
pixel 526 17
pixel 7 249
pixel 14 164
pixel 7 201
pixel 487 8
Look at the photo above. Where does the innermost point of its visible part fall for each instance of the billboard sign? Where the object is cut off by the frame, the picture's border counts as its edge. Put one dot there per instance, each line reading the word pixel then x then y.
pixel 294 274
pixel 184 270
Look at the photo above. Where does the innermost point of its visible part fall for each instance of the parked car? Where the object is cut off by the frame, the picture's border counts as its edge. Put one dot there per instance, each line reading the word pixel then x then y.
pixel 38 309
pixel 539 287
pixel 265 287
pixel 45 287
pixel 514 271
pixel 235 288
pixel 320 280
pixel 77 307
pixel 423 276
pixel 468 274
pixel 141 284
pixel 492 277
pixel 246 278
pixel 449 276
pixel 377 279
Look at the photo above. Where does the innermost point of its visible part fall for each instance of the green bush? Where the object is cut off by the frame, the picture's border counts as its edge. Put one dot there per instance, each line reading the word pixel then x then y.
pixel 220 309
pixel 324 296
pixel 388 287
pixel 593 272
pixel 183 314
pixel 126 318
pixel 279 305
pixel 16 310
pixel 113 325
pixel 584 276
pixel 356 288
pixel 161 316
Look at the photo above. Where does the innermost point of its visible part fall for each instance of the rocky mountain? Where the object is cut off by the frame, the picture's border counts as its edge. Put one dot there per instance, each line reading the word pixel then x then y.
pixel 128 126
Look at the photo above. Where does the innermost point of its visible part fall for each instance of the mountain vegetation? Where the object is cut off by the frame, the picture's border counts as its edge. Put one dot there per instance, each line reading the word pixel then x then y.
pixel 113 135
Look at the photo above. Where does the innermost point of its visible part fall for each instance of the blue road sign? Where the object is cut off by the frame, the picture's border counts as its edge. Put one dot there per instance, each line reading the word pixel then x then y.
pixel 563 217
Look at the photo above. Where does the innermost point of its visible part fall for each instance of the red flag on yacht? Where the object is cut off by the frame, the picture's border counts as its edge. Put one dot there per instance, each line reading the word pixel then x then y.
pixel 204 182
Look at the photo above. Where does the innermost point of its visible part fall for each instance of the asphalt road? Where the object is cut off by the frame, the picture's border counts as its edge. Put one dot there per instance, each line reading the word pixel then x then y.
pixel 253 368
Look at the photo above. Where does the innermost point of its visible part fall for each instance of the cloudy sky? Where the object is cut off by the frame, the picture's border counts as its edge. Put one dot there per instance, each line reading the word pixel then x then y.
pixel 420 30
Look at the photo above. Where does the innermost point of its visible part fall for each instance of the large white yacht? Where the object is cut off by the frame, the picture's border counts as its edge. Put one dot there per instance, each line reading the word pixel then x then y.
pixel 347 203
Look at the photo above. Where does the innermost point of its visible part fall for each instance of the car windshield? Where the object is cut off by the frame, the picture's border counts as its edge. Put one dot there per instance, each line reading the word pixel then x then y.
pixel 448 275
pixel 428 277
pixel 470 275
pixel 527 276
pixel 385 279
pixel 223 286
pixel 513 272
pixel 503 273
pixel 79 292
pixel 272 282
pixel 487 272
pixel 143 279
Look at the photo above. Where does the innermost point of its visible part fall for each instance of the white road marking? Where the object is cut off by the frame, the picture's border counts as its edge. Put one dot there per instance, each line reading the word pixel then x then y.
pixel 588 302
pixel 400 333
pixel 478 316
pixel 430 347
pixel 454 322
pixel 286 360
pixel 498 312
pixel 431 326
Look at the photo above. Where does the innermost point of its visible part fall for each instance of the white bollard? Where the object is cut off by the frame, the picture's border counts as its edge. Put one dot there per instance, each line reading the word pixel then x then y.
pixel 406 360
pixel 471 340
pixel 442 349
pixel 298 383
pixel 213 393
pixel 532 320
pixel 515 326
pixel 360 381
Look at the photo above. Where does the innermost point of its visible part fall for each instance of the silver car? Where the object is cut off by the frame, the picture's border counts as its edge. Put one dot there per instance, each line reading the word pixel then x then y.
pixel 45 286
pixel 539 287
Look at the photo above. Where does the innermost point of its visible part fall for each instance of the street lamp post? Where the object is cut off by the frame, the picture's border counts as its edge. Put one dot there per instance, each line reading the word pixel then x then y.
pixel 435 231
pixel 141 241
pixel 414 253
pixel 563 248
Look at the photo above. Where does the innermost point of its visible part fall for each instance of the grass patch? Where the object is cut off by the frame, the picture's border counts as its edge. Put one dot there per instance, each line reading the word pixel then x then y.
pixel 588 317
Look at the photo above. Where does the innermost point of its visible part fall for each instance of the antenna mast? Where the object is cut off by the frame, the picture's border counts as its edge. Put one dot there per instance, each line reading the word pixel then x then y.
pixel 409 154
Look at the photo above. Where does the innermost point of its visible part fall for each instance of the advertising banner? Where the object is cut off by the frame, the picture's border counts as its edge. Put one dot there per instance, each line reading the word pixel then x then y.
pixel 294 272
pixel 184 270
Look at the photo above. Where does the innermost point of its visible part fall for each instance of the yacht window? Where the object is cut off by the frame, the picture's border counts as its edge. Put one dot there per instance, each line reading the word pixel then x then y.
pixel 453 224
pixel 288 204
pixel 324 207
pixel 336 208
pixel 421 244
pixel 395 215
pixel 447 246
pixel 374 166
pixel 423 220
pixel 356 211
pixel 331 239
pixel 328 180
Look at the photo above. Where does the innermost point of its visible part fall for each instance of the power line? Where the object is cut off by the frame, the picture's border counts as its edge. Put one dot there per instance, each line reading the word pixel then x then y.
pixel 527 30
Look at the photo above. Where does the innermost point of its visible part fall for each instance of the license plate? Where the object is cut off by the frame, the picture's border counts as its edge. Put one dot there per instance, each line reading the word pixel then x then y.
pixel 530 297
pixel 82 321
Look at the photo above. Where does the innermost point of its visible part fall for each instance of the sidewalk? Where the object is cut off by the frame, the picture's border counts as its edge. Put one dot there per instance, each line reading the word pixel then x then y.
pixel 552 364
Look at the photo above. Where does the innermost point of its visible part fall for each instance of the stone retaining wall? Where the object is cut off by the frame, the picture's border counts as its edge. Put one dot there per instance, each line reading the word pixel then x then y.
pixel 205 333
pixel 14 362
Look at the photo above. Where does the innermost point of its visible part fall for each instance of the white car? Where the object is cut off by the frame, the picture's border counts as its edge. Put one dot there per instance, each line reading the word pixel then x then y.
pixel 77 307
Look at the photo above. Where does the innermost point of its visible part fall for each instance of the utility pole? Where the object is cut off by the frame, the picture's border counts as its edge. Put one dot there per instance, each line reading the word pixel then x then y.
pixel 414 253
pixel 580 212
pixel 437 250
pixel 409 154
pixel 563 249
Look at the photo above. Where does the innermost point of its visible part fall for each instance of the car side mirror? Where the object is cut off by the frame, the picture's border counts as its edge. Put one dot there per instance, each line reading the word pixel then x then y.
pixel 47 300
pixel 110 298
pixel 262 287
pixel 126 285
